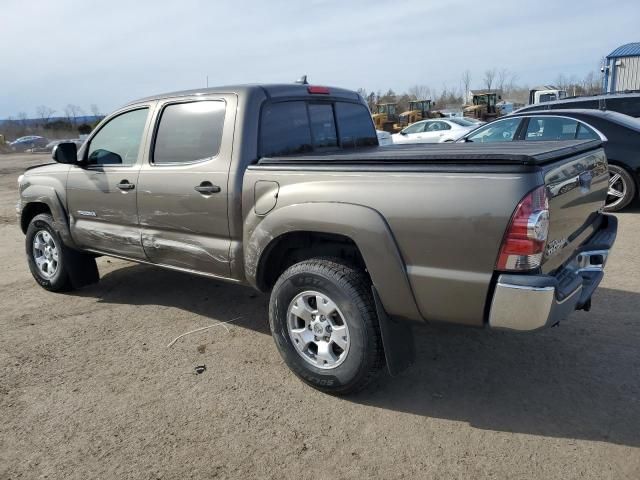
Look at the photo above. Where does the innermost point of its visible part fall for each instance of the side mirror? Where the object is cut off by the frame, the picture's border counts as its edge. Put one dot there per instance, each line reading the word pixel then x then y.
pixel 402 132
pixel 104 157
pixel 65 152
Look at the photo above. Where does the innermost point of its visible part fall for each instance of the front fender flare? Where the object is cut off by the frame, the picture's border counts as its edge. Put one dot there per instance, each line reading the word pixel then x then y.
pixel 364 225
pixel 47 195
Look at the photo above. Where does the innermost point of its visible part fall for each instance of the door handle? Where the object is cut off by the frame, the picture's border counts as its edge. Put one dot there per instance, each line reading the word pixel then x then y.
pixel 125 185
pixel 207 188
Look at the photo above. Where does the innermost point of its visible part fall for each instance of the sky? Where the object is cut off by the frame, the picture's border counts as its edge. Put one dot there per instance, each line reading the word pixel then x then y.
pixel 59 52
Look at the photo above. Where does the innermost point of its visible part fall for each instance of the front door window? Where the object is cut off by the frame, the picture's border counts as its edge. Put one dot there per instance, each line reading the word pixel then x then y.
pixel 118 141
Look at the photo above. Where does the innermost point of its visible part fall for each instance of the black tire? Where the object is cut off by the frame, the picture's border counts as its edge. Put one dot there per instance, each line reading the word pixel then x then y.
pixel 625 184
pixel 350 289
pixel 74 269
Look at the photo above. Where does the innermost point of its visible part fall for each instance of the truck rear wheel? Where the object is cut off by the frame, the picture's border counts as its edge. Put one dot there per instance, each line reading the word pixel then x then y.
pixel 323 319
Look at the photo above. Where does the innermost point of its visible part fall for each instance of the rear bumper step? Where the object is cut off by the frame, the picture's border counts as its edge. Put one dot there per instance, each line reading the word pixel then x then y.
pixel 532 302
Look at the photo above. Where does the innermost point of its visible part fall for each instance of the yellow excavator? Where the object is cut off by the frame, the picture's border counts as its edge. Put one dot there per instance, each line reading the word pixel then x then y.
pixel 483 105
pixel 386 116
pixel 418 110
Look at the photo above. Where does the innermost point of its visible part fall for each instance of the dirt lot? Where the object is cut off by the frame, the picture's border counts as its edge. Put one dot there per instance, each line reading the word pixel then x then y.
pixel 89 389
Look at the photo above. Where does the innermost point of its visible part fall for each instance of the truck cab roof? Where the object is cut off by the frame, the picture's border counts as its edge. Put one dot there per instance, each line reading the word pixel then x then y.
pixel 283 90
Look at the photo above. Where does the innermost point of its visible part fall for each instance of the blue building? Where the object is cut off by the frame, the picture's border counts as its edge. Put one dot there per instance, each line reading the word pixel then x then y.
pixel 621 69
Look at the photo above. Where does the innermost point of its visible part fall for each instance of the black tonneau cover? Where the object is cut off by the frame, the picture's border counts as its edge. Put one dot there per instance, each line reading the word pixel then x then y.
pixel 507 153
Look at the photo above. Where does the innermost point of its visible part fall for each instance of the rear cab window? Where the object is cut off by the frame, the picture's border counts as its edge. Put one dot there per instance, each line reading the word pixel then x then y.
pixel 295 127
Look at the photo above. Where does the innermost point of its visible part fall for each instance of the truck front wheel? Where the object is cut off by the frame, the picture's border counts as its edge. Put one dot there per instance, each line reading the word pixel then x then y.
pixel 323 319
pixel 54 266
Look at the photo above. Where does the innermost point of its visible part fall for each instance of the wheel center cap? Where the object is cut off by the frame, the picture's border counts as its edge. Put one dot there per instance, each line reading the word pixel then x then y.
pixel 318 328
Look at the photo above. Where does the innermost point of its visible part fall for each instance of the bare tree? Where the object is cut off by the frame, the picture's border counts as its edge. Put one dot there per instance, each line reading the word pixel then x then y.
pixel 489 77
pixel 419 92
pixel 561 82
pixel 95 111
pixel 591 83
pixel 389 97
pixel 44 113
pixel 372 99
pixel 502 79
pixel 73 112
pixel 510 86
pixel 466 85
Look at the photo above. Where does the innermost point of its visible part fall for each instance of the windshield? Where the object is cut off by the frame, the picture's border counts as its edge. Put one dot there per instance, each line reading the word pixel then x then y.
pixel 548 97
pixel 481 100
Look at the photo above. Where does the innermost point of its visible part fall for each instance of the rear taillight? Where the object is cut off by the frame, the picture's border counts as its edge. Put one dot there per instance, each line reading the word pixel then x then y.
pixel 523 244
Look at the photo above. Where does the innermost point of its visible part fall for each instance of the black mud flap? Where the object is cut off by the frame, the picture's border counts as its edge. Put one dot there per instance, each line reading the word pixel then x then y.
pixel 397 340
pixel 83 269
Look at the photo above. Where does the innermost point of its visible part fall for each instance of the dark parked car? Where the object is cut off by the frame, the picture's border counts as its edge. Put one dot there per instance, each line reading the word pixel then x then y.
pixel 29 142
pixel 621 132
pixel 627 103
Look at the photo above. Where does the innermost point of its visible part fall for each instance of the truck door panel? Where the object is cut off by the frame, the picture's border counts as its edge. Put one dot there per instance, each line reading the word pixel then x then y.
pixel 182 194
pixel 101 197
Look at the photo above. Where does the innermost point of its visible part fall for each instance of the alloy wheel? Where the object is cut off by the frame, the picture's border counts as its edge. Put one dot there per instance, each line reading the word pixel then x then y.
pixel 45 253
pixel 318 329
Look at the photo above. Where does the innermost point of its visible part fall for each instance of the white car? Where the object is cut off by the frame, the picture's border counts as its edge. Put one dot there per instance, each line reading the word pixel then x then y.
pixel 384 138
pixel 437 130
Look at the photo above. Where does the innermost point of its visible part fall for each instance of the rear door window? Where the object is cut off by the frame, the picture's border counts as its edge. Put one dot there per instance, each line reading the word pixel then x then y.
pixel 586 133
pixel 551 128
pixel 189 132
pixel 438 126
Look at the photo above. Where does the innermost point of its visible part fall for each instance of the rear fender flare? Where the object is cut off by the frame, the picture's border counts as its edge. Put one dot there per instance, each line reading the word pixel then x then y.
pixel 365 226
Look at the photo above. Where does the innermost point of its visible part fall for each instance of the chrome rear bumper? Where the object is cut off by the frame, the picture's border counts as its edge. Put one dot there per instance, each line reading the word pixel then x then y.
pixel 532 302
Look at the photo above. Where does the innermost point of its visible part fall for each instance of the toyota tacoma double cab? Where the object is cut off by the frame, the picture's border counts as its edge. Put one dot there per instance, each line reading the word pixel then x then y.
pixel 284 188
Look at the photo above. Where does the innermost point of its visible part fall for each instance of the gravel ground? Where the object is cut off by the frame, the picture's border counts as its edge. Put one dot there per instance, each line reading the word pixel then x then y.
pixel 89 388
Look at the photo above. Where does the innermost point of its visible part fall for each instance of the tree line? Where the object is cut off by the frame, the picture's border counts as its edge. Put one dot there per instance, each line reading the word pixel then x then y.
pixel 502 80
pixel 69 121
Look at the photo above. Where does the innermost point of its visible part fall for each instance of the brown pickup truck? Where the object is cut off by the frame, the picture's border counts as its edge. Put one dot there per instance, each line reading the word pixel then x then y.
pixel 284 188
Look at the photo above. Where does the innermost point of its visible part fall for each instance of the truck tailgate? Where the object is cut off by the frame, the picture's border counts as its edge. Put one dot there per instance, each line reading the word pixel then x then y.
pixel 577 189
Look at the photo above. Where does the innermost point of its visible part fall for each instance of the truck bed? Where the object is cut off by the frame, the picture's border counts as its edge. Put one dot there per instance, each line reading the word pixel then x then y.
pixel 446 215
pixel 507 153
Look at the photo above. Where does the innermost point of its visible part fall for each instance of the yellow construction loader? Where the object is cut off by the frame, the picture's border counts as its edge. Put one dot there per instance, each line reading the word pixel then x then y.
pixel 483 105
pixel 418 110
pixel 386 116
